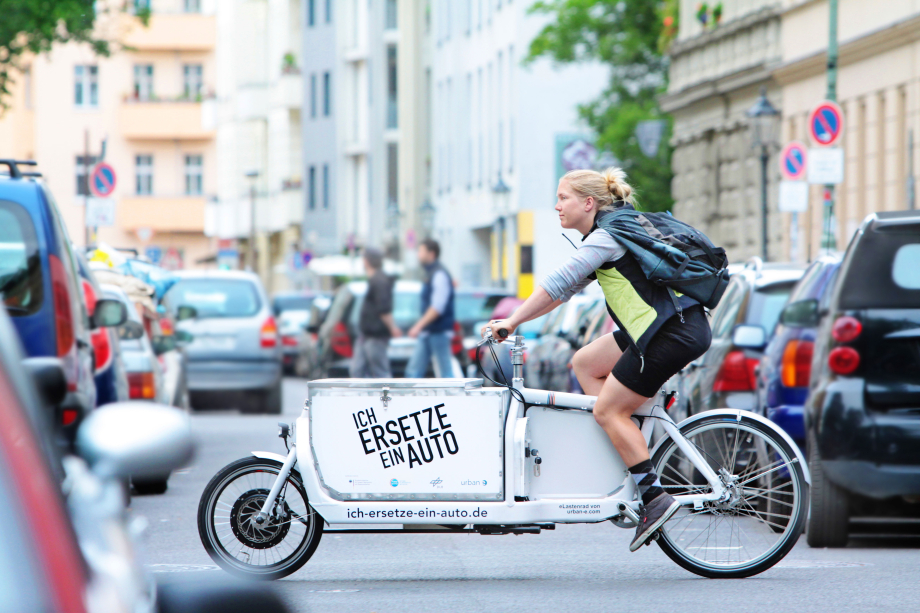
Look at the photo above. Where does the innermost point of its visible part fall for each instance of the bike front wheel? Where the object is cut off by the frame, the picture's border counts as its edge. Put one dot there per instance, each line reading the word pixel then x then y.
pixel 762 517
pixel 230 534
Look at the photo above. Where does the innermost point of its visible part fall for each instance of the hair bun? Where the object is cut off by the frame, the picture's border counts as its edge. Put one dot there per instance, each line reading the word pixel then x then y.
pixel 616 183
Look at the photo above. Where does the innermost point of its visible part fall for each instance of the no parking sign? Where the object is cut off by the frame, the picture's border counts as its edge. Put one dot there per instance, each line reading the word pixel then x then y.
pixel 792 161
pixel 102 180
pixel 826 123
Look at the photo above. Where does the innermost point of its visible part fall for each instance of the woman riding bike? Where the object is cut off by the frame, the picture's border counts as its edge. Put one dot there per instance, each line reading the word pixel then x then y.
pixel 654 341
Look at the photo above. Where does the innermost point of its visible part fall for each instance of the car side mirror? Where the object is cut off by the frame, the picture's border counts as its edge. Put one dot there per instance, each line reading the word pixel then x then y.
pixel 109 313
pixel 801 314
pixel 135 439
pixel 748 336
pixel 164 343
pixel 131 331
pixel 185 312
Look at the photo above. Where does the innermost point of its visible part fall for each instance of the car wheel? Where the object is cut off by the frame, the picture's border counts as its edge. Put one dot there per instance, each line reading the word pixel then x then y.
pixel 263 401
pixel 828 523
pixel 150 486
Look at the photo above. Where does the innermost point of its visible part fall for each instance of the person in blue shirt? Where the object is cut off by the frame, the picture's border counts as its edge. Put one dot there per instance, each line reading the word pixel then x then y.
pixel 435 329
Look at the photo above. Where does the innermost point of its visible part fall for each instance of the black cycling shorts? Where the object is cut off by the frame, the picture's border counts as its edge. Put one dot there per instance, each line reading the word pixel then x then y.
pixel 675 345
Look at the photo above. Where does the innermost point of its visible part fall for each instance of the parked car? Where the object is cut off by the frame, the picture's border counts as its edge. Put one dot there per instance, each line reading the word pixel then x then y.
pixel 861 415
pixel 298 301
pixel 785 368
pixel 110 374
pixel 72 549
pixel 472 305
pixel 235 351
pixel 340 329
pixel 723 377
pixel 300 353
pixel 41 289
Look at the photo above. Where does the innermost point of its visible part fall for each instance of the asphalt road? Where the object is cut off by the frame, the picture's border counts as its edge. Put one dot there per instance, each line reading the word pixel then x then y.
pixel 574 568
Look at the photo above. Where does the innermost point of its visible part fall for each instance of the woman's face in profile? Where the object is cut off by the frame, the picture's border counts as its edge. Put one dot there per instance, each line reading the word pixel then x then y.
pixel 570 206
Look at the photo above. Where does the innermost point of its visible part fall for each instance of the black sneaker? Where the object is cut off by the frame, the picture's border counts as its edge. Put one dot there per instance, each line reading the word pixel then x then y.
pixel 653 516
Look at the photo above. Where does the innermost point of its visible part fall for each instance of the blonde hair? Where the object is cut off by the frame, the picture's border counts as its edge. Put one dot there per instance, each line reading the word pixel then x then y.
pixel 607 188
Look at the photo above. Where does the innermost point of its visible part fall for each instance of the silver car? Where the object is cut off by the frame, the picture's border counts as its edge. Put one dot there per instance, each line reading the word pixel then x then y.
pixel 235 346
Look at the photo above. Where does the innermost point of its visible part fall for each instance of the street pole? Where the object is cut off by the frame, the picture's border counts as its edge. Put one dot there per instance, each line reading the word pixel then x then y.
pixel 764 161
pixel 86 232
pixel 252 227
pixel 829 241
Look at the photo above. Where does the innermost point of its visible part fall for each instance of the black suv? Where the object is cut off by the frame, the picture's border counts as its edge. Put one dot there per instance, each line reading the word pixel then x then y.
pixel 862 415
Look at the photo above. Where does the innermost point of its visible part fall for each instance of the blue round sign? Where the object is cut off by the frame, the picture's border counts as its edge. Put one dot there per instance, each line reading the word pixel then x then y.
pixel 826 123
pixel 102 180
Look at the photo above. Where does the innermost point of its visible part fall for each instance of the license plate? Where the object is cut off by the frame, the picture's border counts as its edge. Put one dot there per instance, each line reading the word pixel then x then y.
pixel 219 343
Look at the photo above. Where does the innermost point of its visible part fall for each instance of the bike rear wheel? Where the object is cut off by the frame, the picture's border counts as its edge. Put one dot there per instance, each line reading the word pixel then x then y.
pixel 226 513
pixel 765 513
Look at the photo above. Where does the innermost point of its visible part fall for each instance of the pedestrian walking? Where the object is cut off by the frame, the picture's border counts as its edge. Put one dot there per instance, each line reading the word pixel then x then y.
pixel 435 329
pixel 375 324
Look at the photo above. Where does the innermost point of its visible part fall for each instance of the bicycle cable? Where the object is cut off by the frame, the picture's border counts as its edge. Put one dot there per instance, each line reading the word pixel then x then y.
pixel 515 393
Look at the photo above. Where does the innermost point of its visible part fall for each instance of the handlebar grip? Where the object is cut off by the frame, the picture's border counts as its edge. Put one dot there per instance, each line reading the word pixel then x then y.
pixel 502 333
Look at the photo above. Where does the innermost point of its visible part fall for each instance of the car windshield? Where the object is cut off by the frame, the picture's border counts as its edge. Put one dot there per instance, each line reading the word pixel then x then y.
pixel 475 306
pixel 766 305
pixel 20 262
pixel 215 297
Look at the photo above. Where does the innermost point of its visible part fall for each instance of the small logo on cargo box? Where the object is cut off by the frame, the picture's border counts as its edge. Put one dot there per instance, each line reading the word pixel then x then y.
pixel 436 482
pixel 394 482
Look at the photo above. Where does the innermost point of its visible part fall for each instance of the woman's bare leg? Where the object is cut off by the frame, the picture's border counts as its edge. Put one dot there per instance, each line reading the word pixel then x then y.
pixel 593 363
pixel 613 409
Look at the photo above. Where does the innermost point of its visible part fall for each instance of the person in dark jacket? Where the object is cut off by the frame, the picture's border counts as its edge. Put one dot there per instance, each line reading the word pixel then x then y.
pixel 654 341
pixel 375 323
pixel 435 329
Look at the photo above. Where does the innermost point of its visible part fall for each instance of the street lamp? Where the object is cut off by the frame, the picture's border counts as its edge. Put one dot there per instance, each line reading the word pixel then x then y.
pixel 763 130
pixel 252 175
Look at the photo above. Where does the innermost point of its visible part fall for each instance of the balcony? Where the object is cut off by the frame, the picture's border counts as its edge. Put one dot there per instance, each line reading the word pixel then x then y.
pixel 288 92
pixel 162 213
pixel 174 32
pixel 163 121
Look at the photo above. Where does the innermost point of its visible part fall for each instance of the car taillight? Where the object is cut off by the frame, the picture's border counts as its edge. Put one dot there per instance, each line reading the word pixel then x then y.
pixel 68 416
pixel 141 385
pixel 63 315
pixel 796 368
pixel 289 341
pixel 456 344
pixel 843 360
pixel 736 374
pixel 102 345
pixel 340 341
pixel 268 336
pixel 166 326
pixel 846 329
pixel 471 353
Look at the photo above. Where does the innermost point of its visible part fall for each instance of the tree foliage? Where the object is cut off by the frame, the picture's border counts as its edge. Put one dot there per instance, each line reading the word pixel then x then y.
pixel 624 35
pixel 33 26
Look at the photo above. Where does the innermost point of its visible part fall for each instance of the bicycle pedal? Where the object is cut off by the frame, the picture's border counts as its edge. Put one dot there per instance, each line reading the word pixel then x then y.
pixel 653 538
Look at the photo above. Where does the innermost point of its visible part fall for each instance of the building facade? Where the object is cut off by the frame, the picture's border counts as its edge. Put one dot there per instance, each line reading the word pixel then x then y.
pixel 496 133
pixel 717 71
pixel 878 88
pixel 256 219
pixel 147 103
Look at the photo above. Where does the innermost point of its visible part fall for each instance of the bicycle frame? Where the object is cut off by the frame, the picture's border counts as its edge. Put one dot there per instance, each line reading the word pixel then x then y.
pixel 515 508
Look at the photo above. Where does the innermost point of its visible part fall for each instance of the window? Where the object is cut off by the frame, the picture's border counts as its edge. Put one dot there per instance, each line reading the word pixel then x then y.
pixel 313 95
pixel 905 271
pixel 311 188
pixel 325 186
pixel 20 261
pixel 392 177
pixel 328 11
pixel 86 85
pixel 191 77
pixel 311 13
pixel 193 167
pixel 392 107
pixel 391 15
pixel 215 297
pixel 143 173
pixel 327 94
pixel 141 5
pixel 143 81
pixel 82 165
pixel 192 6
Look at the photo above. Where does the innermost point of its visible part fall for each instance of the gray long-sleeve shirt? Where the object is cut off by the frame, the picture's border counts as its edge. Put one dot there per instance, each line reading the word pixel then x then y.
pixel 572 277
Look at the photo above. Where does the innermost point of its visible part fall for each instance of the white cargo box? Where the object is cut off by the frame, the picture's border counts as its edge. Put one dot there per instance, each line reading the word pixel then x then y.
pixel 408 439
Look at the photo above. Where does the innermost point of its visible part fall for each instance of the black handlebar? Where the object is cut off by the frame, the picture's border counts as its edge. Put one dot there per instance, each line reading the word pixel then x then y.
pixel 502 333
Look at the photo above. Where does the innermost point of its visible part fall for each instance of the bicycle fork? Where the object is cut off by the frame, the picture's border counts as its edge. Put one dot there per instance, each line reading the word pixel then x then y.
pixel 276 488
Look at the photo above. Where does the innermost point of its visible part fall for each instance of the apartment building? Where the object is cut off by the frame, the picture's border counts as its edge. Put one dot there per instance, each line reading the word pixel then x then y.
pixel 259 95
pixel 718 67
pixel 146 104
pixel 496 130
pixel 878 88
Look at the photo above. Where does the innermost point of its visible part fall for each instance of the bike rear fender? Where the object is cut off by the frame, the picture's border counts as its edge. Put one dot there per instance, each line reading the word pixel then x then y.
pixel 268 455
pixel 749 415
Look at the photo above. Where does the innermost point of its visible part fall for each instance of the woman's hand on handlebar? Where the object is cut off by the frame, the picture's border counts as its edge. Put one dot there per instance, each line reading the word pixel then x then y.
pixel 501 329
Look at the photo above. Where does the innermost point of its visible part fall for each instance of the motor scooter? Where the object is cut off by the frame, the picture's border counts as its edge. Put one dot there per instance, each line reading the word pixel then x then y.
pixel 408 456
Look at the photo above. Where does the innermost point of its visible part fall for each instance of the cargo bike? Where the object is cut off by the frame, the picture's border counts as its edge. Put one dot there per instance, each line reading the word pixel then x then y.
pixel 451 456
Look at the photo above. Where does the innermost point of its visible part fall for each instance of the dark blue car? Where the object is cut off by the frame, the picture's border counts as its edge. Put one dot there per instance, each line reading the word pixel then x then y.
pixel 41 289
pixel 785 368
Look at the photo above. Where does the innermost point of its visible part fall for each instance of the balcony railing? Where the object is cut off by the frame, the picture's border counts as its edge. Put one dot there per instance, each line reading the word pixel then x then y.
pixel 162 213
pixel 163 120
pixel 174 32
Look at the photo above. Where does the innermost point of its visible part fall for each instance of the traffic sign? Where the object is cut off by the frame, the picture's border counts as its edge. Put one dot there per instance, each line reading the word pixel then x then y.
pixel 793 160
pixel 826 123
pixel 825 166
pixel 793 196
pixel 102 180
pixel 100 212
pixel 154 253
